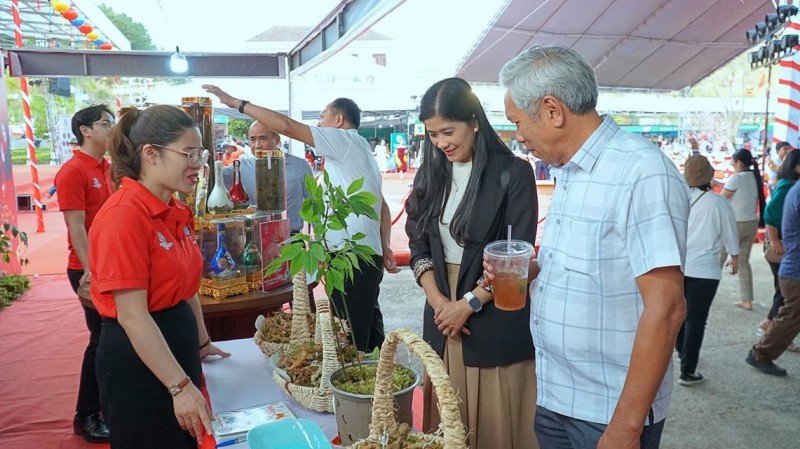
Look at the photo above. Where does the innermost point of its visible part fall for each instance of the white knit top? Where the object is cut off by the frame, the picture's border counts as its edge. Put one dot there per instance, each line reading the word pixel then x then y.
pixel 452 250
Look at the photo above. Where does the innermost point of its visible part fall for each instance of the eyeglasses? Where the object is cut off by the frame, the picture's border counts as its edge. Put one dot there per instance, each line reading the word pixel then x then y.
pixel 107 124
pixel 192 156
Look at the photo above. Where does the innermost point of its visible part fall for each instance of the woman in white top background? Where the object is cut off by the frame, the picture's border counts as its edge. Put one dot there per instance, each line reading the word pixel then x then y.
pixel 712 226
pixel 745 190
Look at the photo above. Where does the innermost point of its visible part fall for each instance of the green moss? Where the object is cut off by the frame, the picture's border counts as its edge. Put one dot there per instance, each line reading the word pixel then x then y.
pixel 361 379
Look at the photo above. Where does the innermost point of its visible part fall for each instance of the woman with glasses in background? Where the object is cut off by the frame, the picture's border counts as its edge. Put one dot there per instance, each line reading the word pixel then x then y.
pixel 145 266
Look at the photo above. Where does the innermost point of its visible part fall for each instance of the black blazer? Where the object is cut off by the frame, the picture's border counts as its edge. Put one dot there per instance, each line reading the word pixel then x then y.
pixel 499 338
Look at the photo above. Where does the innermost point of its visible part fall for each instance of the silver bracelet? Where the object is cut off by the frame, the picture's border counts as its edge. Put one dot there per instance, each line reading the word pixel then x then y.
pixel 421 266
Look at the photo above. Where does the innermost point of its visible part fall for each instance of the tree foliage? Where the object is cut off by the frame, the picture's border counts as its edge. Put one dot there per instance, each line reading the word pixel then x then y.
pixel 238 128
pixel 134 31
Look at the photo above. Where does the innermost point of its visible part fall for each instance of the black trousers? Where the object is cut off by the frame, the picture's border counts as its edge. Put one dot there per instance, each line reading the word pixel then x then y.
pixel 777 298
pixel 88 394
pixel 699 295
pixel 138 408
pixel 361 296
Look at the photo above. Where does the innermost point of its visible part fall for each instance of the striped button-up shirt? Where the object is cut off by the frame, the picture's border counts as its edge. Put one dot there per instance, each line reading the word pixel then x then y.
pixel 619 209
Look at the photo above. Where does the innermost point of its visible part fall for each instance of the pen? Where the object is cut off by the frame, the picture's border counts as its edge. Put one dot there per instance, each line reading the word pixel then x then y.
pixel 241 439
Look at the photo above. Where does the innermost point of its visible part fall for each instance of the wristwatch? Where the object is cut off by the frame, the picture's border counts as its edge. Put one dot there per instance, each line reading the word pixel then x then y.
pixel 473 301
pixel 177 388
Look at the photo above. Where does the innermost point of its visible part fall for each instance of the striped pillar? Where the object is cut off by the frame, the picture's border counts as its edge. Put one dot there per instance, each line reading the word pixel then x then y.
pixel 26 109
pixel 787 113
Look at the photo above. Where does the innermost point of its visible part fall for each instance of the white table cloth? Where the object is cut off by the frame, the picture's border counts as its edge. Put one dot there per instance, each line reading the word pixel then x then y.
pixel 245 380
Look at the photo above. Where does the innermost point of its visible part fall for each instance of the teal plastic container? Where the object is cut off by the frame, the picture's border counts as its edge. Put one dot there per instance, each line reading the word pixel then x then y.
pixel 288 434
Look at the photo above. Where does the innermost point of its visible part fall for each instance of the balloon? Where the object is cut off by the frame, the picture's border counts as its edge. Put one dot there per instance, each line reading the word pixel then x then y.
pixel 70 14
pixel 85 28
pixel 60 5
pixel 106 46
pixel 99 41
pixel 93 35
pixel 78 22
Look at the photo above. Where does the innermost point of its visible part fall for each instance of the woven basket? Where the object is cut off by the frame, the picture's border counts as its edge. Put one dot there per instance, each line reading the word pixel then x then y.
pixel 317 398
pixel 453 433
pixel 300 314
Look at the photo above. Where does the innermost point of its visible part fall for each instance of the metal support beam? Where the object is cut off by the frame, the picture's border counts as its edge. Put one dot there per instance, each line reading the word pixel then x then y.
pixel 49 62
pixel 343 25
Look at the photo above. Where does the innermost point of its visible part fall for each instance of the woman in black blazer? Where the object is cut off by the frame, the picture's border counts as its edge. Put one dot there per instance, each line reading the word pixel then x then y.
pixel 469 188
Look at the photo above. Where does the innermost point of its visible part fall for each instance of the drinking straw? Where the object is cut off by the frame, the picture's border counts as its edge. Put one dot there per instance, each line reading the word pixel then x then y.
pixel 508 247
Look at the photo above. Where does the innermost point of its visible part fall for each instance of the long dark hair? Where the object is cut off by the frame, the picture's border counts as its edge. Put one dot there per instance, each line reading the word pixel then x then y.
pixel 790 163
pixel 746 157
pixel 451 99
pixel 160 125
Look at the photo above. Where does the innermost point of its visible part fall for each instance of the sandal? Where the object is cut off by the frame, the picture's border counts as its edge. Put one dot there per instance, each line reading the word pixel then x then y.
pixel 746 305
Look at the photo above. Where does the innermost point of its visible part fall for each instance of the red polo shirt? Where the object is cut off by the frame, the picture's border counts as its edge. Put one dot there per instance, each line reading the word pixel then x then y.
pixel 83 183
pixel 139 242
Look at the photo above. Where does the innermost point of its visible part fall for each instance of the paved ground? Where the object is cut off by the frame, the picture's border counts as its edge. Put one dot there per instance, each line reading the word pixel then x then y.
pixel 737 407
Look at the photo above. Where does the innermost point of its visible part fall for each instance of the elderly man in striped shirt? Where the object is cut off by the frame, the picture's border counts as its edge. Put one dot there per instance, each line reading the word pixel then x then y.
pixel 608 301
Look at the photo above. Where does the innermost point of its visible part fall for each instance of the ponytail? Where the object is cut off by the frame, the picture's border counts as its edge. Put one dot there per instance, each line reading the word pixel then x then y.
pixel 746 158
pixel 762 200
pixel 125 157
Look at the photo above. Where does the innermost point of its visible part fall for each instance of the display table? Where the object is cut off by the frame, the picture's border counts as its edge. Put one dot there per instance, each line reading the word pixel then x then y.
pixel 245 380
pixel 232 317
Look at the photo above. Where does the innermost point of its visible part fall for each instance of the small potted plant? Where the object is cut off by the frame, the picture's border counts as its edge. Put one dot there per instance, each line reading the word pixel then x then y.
pixel 327 209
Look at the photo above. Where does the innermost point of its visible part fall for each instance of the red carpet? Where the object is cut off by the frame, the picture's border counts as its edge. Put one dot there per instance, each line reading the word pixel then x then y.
pixel 42 338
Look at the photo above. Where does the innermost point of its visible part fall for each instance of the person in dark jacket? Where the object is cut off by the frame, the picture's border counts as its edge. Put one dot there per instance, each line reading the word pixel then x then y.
pixel 469 188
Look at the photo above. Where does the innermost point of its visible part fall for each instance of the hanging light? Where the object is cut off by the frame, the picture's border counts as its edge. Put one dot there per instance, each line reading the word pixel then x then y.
pixel 785 12
pixel 178 62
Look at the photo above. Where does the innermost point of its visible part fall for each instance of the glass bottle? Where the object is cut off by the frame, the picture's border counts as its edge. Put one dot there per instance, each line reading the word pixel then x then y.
pixel 219 201
pixel 251 256
pixel 201 190
pixel 222 264
pixel 202 112
pixel 238 195
pixel 270 181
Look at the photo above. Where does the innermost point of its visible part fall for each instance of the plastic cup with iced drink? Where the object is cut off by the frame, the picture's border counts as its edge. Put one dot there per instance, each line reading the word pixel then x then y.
pixel 510 259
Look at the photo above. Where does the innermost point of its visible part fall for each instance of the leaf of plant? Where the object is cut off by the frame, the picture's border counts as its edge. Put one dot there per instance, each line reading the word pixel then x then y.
pixel 336 225
pixel 365 197
pixel 336 279
pixel 317 251
pixel 311 185
pixel 355 186
pixel 308 213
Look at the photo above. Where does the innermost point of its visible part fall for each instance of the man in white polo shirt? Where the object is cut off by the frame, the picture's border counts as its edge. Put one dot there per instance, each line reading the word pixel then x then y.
pixel 608 302
pixel 348 157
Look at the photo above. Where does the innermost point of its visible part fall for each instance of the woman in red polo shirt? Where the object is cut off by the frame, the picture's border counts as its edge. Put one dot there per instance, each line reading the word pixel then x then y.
pixel 145 266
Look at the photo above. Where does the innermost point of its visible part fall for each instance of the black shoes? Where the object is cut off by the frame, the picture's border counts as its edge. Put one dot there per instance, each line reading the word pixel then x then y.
pixel 766 367
pixel 691 379
pixel 91 428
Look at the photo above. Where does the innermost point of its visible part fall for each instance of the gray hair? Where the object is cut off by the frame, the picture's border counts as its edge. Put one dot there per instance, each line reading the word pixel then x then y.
pixel 553 70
